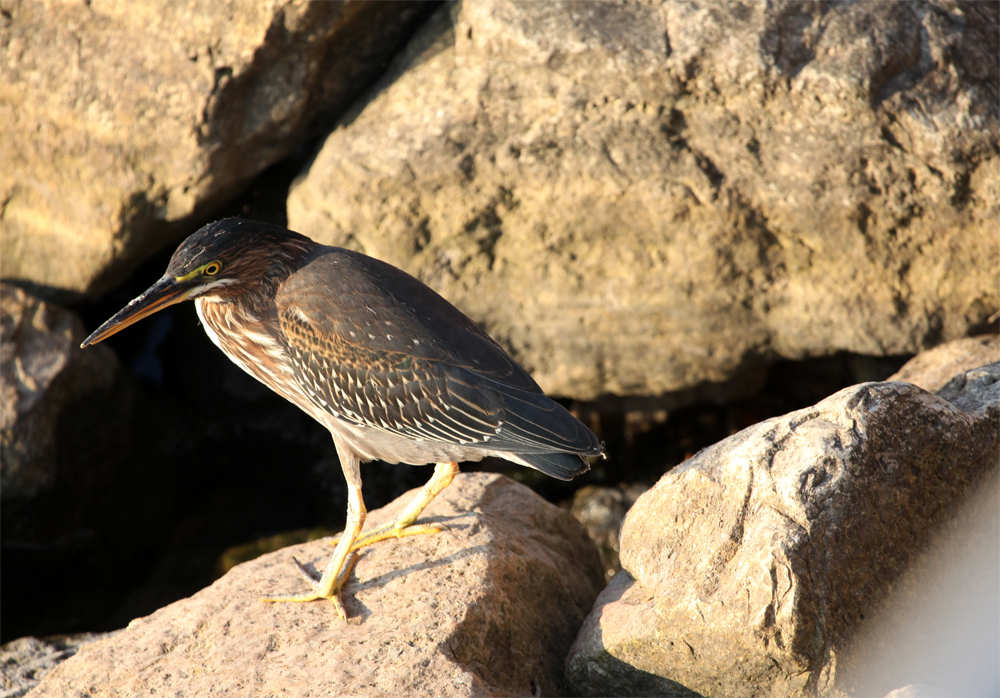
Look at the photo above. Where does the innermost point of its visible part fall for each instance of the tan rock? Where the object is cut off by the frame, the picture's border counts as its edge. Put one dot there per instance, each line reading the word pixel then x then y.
pixel 933 368
pixel 636 199
pixel 753 565
pixel 487 608
pixel 122 123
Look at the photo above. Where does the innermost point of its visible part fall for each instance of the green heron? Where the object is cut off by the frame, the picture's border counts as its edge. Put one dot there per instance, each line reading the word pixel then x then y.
pixel 392 369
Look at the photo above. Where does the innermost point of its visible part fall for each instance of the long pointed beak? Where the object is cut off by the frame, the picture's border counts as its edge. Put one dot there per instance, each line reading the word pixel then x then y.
pixel 167 291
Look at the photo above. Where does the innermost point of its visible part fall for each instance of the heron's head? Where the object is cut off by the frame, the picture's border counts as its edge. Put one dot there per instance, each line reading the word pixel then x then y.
pixel 220 262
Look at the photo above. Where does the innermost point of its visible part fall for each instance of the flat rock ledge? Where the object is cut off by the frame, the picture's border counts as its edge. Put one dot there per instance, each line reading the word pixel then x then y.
pixel 750 569
pixel 488 608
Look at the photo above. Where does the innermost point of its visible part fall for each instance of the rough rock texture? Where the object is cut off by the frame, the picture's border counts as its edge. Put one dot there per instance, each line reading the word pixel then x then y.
pixel 489 608
pixel 933 368
pixel 124 123
pixel 43 370
pixel 752 565
pixel 81 449
pixel 25 661
pixel 638 198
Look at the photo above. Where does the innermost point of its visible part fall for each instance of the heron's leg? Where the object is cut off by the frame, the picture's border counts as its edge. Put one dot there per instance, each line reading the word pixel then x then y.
pixel 336 572
pixel 444 473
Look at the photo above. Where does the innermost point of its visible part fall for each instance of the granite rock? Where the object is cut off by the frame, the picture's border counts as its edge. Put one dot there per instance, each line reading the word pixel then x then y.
pixel 487 608
pixel 751 567
pixel 640 199
pixel 124 124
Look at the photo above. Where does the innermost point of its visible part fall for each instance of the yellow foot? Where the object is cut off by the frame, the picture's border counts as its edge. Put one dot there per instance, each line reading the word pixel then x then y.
pixel 346 554
pixel 317 591
pixel 395 529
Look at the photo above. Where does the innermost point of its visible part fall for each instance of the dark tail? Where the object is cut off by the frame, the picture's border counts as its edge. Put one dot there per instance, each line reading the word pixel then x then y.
pixel 562 466
pixel 540 431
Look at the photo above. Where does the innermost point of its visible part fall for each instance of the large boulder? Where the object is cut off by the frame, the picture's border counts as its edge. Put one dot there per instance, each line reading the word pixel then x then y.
pixel 43 371
pixel 636 199
pixel 123 124
pixel 488 607
pixel 84 477
pixel 751 567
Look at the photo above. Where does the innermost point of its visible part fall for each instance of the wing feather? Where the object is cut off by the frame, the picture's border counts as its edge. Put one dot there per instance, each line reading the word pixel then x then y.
pixel 379 349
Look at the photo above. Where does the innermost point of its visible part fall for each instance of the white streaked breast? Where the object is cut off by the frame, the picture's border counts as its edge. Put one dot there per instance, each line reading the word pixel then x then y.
pixel 215 315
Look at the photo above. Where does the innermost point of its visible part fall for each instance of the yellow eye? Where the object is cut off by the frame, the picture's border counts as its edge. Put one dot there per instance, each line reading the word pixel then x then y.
pixel 211 269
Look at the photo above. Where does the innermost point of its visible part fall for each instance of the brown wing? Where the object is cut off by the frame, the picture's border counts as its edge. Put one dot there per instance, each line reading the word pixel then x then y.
pixel 375 347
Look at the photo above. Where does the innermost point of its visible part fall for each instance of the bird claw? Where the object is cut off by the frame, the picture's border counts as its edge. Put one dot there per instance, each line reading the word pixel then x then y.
pixel 306 574
pixel 334 595
pixel 344 558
